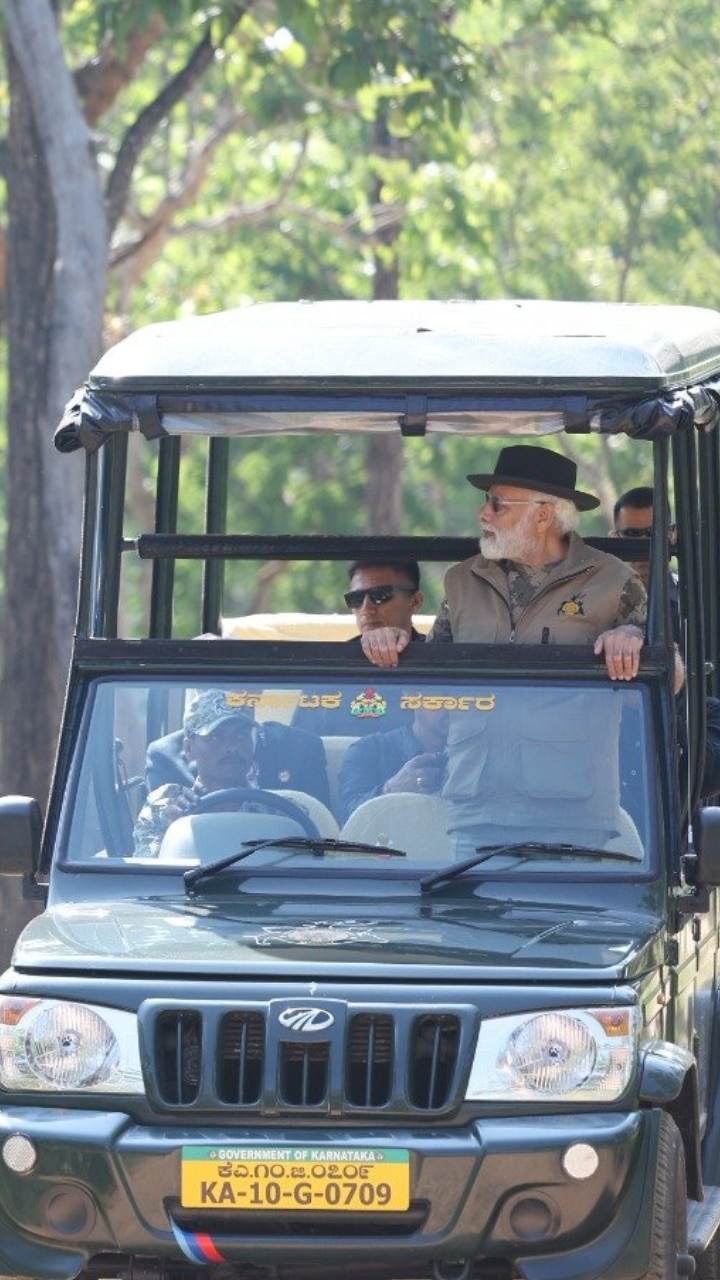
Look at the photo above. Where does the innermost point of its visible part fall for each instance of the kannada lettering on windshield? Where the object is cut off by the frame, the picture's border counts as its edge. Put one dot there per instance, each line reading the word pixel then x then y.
pixel 368 703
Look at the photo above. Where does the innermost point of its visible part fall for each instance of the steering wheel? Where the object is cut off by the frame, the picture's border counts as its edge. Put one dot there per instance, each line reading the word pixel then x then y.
pixel 268 799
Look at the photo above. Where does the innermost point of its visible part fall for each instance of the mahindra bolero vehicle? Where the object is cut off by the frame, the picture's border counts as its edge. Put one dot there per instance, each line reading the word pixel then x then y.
pixel 272 1033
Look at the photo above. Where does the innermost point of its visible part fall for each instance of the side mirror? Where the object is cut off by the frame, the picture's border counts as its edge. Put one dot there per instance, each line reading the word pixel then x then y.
pixel 20 834
pixel 706 838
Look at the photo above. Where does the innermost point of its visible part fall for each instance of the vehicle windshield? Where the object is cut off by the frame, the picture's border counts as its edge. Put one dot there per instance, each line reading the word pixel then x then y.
pixel 171 776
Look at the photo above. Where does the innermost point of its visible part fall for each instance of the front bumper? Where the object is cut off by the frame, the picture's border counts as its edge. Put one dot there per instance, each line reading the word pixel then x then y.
pixel 495 1189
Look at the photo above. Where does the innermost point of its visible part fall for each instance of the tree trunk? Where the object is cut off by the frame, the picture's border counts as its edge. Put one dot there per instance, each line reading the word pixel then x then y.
pixel 57 255
pixel 55 293
pixel 30 669
pixel 31 675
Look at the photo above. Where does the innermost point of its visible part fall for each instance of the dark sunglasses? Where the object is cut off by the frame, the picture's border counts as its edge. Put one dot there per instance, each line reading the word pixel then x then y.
pixel 634 533
pixel 378 595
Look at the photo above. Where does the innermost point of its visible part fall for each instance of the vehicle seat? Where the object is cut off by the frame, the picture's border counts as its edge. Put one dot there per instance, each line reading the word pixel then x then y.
pixel 406 820
pixel 203 837
pixel 325 821
pixel 335 748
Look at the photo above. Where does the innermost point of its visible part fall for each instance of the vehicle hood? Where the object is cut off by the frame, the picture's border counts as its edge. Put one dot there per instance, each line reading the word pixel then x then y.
pixel 407 937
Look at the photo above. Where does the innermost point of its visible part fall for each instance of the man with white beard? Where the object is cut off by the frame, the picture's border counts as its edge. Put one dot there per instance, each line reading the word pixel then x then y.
pixel 535 581
pixel 541 766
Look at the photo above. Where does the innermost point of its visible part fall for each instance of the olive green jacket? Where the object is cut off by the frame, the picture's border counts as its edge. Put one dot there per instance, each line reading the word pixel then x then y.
pixel 580 599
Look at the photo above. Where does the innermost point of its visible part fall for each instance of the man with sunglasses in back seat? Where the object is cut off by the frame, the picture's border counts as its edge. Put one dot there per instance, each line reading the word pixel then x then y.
pixel 384 595
pixel 633 520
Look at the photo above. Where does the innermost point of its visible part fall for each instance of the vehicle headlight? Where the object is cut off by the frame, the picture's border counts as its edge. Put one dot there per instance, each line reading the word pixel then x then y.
pixel 58 1044
pixel 578 1055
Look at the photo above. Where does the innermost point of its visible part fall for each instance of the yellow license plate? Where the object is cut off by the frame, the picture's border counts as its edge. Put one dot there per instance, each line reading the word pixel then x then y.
pixel 306 1178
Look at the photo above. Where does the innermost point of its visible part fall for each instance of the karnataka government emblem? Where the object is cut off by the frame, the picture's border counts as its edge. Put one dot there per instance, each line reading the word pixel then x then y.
pixel 368 705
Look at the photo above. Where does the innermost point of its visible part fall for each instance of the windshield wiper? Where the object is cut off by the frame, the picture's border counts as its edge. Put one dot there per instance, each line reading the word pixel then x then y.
pixel 526 849
pixel 302 844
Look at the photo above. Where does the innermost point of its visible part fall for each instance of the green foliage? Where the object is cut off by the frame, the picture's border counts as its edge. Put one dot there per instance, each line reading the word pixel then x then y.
pixel 522 148
pixel 116 19
pixel 409 54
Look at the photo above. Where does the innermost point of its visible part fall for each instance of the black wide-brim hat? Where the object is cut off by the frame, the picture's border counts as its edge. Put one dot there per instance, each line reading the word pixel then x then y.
pixel 527 466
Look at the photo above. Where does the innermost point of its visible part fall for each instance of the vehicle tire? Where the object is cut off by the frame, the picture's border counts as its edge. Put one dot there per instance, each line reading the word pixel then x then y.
pixel 669 1227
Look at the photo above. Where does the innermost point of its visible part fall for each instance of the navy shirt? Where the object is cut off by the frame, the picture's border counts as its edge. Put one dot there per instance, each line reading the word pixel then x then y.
pixel 369 763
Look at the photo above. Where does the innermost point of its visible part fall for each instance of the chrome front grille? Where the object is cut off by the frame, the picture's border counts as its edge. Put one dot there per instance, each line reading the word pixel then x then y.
pixel 267 1059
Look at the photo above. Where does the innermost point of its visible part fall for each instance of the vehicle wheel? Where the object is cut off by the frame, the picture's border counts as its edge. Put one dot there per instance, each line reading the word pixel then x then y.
pixel 255 795
pixel 669 1229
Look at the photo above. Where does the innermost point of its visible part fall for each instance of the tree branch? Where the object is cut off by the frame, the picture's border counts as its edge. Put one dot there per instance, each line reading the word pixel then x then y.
pixel 135 256
pixel 99 82
pixel 147 122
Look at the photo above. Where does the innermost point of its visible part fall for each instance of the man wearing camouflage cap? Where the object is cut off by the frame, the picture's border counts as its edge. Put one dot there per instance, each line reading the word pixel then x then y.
pixel 220 738
pixel 271 755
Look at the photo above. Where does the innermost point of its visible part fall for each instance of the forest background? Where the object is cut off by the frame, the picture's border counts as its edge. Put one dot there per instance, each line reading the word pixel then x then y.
pixel 167 158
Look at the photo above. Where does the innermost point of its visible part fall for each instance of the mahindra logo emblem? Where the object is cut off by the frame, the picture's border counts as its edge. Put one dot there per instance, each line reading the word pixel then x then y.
pixel 306 1019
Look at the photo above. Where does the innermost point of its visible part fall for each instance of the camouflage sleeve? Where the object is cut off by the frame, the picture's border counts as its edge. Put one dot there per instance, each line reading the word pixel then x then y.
pixel 441 630
pixel 632 605
pixel 153 819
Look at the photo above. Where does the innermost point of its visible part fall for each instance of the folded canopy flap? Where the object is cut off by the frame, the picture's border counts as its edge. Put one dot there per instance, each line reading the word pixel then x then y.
pixel 92 416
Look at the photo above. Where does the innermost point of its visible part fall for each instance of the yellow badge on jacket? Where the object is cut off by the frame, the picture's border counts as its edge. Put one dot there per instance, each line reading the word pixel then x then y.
pixel 572 608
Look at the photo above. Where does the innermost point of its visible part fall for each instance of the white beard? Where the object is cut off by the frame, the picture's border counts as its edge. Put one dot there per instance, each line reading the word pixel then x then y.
pixel 509 544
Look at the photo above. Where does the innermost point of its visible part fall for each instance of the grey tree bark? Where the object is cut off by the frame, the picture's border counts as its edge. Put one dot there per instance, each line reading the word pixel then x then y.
pixel 57 269
pixel 56 281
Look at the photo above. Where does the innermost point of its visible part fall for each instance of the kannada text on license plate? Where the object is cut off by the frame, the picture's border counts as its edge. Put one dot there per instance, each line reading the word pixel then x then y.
pixel 295 1177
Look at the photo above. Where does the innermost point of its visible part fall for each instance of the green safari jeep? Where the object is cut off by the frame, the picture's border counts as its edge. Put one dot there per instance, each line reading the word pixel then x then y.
pixel 283 1040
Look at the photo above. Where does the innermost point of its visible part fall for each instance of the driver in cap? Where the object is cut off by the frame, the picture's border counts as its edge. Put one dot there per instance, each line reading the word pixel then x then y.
pixel 221 738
